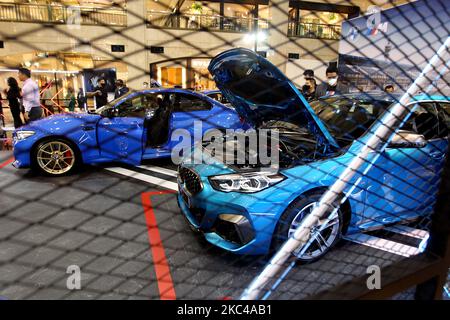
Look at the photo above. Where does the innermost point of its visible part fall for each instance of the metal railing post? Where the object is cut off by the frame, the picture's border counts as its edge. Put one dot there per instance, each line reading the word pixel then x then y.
pixel 380 136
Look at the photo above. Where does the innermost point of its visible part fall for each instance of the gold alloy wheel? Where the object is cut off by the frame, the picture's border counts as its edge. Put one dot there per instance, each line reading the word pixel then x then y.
pixel 55 157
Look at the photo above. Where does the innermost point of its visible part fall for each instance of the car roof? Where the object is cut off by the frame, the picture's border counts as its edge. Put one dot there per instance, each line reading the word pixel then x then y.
pixel 380 95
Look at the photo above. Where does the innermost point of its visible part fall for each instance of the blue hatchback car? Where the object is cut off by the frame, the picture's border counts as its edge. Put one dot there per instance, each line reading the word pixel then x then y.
pixel 129 129
pixel 248 209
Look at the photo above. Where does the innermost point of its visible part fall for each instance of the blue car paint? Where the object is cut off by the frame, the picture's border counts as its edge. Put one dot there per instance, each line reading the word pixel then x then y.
pixel 101 139
pixel 369 206
pixel 383 196
pixel 292 106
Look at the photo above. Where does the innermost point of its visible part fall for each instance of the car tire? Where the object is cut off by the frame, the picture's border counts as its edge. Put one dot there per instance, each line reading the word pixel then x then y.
pixel 294 215
pixel 56 157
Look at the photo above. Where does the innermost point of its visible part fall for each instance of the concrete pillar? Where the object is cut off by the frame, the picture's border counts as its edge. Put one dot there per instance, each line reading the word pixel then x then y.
pixel 136 54
pixel 277 38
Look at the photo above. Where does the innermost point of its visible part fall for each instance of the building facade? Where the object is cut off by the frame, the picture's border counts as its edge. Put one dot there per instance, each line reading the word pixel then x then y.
pixel 171 41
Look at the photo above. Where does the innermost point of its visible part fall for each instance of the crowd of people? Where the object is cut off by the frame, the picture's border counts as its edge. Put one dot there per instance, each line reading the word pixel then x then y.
pixel 30 103
pixel 332 86
pixel 24 103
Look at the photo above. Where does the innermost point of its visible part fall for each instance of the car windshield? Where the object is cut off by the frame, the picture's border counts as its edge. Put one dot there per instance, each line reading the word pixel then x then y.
pixel 111 105
pixel 348 118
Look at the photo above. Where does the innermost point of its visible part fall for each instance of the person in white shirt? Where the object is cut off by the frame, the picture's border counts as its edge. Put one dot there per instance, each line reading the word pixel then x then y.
pixel 30 96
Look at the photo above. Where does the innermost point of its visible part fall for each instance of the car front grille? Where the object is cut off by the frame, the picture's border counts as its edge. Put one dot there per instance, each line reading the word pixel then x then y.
pixel 190 179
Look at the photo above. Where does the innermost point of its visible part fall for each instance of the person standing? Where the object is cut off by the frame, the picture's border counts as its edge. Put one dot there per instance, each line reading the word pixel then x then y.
pixel 13 97
pixel 389 88
pixel 30 96
pixel 332 86
pixel 100 93
pixel 70 99
pixel 2 116
pixel 121 89
pixel 81 99
pixel 309 88
pixel 154 83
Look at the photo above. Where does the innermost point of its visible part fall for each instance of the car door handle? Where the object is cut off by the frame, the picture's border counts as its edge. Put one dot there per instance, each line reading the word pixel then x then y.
pixel 437 155
pixel 88 128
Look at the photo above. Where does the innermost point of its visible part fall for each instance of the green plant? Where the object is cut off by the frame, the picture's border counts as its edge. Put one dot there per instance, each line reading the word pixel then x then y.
pixel 197 7
pixel 332 17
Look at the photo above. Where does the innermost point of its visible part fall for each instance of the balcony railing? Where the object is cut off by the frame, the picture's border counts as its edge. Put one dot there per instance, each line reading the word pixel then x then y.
pixel 203 22
pixel 54 13
pixel 314 30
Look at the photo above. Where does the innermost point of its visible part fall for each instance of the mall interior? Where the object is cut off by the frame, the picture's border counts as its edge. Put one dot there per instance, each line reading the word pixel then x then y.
pixel 112 187
pixel 143 39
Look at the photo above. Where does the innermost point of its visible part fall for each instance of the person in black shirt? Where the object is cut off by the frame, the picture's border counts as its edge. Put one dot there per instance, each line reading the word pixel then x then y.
pixel 121 89
pixel 100 93
pixel 81 99
pixel 13 97
pixel 309 88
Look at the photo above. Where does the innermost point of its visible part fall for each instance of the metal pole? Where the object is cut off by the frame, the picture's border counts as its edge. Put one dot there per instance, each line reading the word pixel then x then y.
pixel 382 134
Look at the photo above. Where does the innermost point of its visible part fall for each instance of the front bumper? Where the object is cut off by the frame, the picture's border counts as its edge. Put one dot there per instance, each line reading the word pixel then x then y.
pixel 211 211
pixel 22 154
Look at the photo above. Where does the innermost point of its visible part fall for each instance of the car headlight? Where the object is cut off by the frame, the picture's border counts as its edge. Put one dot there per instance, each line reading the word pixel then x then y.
pixel 23 134
pixel 245 182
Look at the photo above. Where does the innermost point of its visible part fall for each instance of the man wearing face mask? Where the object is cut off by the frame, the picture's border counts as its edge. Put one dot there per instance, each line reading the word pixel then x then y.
pixel 100 93
pixel 332 86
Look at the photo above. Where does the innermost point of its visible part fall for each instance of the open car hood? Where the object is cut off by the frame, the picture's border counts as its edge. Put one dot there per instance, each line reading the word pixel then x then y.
pixel 259 91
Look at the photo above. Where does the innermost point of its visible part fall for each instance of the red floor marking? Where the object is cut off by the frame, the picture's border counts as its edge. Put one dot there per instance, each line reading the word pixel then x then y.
pixel 162 268
pixel 5 163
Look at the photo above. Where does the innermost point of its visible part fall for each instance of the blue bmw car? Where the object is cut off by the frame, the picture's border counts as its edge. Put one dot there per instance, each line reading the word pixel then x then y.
pixel 251 209
pixel 132 128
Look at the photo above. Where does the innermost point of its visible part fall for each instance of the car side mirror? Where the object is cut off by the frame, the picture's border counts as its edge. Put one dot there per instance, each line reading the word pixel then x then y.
pixel 407 139
pixel 108 113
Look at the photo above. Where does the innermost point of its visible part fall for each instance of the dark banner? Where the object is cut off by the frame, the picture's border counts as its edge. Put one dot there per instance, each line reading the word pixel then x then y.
pixel 91 77
pixel 394 45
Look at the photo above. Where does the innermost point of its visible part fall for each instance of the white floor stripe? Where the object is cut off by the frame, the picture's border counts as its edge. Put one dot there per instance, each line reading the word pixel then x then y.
pixel 162 170
pixel 143 177
pixel 408 231
pixel 383 244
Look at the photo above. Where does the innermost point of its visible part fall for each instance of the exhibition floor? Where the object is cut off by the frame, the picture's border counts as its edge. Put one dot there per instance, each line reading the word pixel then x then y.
pixel 130 241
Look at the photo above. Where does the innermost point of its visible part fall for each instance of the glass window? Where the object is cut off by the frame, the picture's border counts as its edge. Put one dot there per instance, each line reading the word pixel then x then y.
pixel 218 97
pixel 239 17
pixel 427 121
pixel 139 106
pixel 186 102
pixel 348 119
pixel 322 17
pixel 184 14
pixel 444 111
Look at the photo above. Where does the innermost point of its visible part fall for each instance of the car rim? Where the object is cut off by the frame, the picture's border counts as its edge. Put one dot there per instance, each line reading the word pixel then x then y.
pixel 322 235
pixel 55 157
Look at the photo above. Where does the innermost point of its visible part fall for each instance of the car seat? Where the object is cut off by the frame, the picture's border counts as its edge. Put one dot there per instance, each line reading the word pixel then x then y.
pixel 158 125
pixel 430 126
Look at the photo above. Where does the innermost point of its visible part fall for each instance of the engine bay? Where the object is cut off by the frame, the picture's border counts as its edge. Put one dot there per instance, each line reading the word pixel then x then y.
pixel 275 144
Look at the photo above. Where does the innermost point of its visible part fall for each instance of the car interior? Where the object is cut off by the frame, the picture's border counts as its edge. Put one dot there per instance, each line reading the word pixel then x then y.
pixel 156 110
